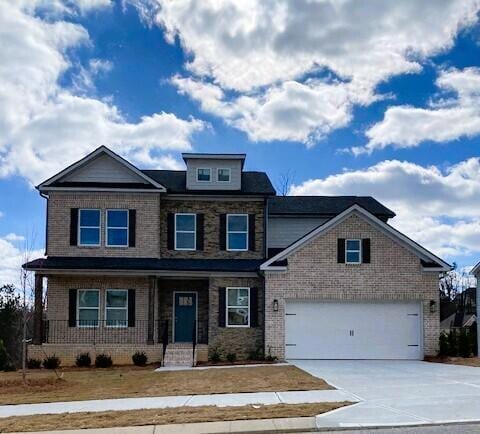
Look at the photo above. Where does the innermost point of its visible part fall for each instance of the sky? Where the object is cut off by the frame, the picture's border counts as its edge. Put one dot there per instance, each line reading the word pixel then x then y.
pixel 347 98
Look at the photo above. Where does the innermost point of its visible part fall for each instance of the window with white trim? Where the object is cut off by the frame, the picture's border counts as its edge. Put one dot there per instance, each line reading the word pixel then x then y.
pixel 116 308
pixel 185 231
pixel 89 227
pixel 238 307
pixel 88 307
pixel 237 232
pixel 204 174
pixel 223 175
pixel 117 228
pixel 353 251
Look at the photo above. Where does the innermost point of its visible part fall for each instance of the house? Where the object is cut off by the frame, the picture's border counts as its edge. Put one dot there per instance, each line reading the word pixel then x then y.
pixel 459 312
pixel 476 272
pixel 180 264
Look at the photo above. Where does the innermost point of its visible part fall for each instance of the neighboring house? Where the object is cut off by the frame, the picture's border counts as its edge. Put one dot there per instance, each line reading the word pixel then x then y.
pixel 460 312
pixel 209 258
pixel 476 272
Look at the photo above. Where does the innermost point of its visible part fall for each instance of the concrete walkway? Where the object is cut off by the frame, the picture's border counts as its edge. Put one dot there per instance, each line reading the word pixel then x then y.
pixel 220 400
pixel 396 393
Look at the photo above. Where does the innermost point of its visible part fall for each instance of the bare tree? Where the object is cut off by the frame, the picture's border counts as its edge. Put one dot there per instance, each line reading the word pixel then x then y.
pixel 285 182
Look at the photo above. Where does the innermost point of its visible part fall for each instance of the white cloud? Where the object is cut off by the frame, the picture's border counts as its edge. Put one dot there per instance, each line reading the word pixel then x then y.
pixel 439 209
pixel 14 237
pixel 1 214
pixel 44 127
pixel 445 119
pixel 263 50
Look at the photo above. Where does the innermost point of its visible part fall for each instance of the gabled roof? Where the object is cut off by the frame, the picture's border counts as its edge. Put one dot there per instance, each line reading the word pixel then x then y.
pixel 205 156
pixel 253 183
pixel 476 270
pixel 53 182
pixel 417 249
pixel 328 206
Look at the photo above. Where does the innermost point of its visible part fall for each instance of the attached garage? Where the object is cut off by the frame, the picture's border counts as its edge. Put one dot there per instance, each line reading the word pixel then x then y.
pixel 353 330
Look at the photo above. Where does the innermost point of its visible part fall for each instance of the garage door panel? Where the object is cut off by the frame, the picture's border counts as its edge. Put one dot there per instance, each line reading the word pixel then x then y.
pixel 331 330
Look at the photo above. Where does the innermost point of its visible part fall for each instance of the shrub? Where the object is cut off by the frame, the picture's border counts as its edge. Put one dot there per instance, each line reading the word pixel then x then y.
pixel 464 349
pixel 269 357
pixel 34 363
pixel 3 356
pixel 83 360
pixel 103 361
pixel 215 355
pixel 452 343
pixel 232 357
pixel 139 358
pixel 9 367
pixel 256 354
pixel 443 344
pixel 51 362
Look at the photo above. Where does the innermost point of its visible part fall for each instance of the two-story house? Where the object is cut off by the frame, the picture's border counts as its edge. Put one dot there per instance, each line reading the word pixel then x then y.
pixel 177 263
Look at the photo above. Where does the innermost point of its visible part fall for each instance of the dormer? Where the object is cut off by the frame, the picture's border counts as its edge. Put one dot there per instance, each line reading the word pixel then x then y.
pixel 214 171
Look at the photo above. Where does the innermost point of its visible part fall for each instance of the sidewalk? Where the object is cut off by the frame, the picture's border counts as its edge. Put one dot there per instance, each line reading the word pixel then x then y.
pixel 220 400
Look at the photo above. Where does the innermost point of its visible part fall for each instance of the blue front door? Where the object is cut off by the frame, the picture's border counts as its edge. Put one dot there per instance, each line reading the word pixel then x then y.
pixel 185 315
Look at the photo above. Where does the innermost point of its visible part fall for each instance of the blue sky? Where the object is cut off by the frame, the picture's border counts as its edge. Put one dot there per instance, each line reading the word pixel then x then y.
pixel 375 100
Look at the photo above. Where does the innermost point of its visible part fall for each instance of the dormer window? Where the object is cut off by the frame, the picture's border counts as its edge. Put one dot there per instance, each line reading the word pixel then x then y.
pixel 204 175
pixel 223 175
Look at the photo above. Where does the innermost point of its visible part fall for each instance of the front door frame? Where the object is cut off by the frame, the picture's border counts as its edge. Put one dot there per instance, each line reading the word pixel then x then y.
pixel 196 312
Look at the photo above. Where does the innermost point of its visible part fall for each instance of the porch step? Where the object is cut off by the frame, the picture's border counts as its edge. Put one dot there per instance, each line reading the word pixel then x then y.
pixel 179 355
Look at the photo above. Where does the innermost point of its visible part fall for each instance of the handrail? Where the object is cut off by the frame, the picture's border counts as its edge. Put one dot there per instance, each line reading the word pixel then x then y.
pixel 164 341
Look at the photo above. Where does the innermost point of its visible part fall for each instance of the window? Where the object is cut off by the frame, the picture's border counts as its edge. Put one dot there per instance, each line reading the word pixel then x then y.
pixel 88 307
pixel 203 175
pixel 223 175
pixel 185 236
pixel 116 308
pixel 237 232
pixel 353 252
pixel 89 227
pixel 238 307
pixel 117 228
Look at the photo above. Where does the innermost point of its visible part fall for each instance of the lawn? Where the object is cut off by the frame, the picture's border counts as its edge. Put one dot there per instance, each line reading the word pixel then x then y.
pixel 466 361
pixel 120 382
pixel 163 416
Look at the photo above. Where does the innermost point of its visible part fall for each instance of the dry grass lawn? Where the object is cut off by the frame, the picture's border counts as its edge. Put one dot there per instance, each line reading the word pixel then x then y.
pixel 468 361
pixel 120 382
pixel 160 417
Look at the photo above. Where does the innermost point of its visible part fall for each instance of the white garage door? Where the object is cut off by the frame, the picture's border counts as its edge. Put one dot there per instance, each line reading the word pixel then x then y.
pixel 330 330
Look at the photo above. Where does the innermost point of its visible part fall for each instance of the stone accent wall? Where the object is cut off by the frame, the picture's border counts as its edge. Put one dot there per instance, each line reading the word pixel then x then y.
pixel 166 288
pixel 147 206
pixel 239 340
pixel 212 210
pixel 314 274
pixel 57 313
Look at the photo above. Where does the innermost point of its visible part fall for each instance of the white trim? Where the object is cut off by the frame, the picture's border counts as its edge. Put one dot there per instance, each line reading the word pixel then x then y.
pixel 77 319
pixel 236 307
pixel 91 156
pixel 116 308
pixel 388 230
pixel 209 171
pixel 237 232
pixel 229 174
pixel 117 190
pixel 353 251
pixel 122 228
pixel 79 226
pixel 196 312
pixel 187 232
pixel 476 271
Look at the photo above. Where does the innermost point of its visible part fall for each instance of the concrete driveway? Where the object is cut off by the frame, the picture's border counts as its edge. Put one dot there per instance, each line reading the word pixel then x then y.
pixel 399 392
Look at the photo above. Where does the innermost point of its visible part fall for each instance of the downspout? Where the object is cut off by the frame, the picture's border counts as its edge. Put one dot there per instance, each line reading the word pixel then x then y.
pixel 478 313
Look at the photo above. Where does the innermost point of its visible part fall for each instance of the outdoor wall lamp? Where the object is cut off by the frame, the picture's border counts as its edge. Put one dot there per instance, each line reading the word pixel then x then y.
pixel 433 306
pixel 275 305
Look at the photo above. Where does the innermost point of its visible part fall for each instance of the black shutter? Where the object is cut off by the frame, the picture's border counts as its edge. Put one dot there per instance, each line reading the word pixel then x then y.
pixel 341 250
pixel 73 226
pixel 366 250
pixel 222 241
pixel 131 308
pixel 132 227
pixel 200 231
pixel 171 231
pixel 253 307
pixel 222 307
pixel 72 308
pixel 251 232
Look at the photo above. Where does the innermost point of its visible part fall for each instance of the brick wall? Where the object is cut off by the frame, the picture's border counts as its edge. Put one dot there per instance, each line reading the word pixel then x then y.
pixel 313 273
pixel 230 339
pixel 212 210
pixel 147 206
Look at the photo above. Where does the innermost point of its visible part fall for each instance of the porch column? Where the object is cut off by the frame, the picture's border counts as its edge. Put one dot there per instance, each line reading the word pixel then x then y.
pixel 38 312
pixel 152 289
